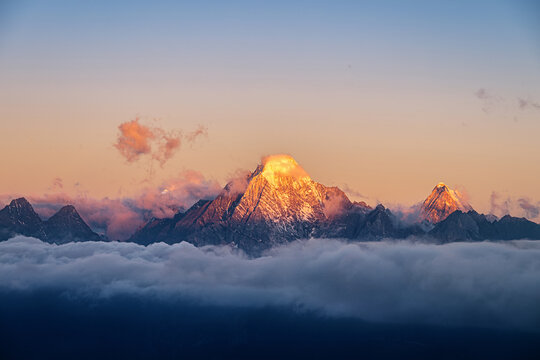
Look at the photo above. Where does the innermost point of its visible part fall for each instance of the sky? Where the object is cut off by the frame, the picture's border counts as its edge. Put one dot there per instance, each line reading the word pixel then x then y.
pixel 382 98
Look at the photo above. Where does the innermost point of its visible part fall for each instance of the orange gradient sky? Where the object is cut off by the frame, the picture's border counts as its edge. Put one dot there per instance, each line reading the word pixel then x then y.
pixel 387 118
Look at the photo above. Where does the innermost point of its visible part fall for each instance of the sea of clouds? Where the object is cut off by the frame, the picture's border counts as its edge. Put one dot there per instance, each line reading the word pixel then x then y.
pixel 486 284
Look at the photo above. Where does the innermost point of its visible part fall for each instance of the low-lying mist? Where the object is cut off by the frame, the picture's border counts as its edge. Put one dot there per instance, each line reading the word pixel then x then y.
pixel 485 284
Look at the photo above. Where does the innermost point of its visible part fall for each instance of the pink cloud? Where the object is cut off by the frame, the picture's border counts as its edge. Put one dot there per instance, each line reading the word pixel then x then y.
pixel 166 144
pixel 200 131
pixel 134 140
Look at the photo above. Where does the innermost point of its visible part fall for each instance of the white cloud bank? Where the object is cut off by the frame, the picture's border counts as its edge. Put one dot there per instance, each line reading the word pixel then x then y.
pixel 478 284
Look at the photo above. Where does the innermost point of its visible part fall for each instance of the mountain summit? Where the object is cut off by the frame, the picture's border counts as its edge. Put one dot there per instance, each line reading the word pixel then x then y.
pixel 442 202
pixel 276 203
pixel 19 217
pixel 67 225
pixel 280 191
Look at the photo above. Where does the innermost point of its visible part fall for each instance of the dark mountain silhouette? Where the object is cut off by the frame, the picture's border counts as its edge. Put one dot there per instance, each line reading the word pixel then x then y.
pixel 67 225
pixel 460 226
pixel 19 218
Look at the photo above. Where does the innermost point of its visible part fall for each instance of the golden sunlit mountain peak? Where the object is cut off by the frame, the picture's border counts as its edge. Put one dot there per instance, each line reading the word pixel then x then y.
pixel 281 191
pixel 442 202
pixel 279 165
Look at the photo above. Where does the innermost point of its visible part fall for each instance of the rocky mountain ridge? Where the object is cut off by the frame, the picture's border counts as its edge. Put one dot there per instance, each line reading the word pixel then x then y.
pixel 278 203
pixel 19 218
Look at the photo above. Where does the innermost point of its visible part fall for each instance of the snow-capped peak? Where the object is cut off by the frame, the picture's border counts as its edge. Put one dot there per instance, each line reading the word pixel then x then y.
pixel 277 166
pixel 442 202
pixel 279 191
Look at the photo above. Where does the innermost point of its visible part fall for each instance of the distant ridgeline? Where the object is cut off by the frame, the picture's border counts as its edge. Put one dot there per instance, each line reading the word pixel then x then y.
pixel 279 203
pixel 66 225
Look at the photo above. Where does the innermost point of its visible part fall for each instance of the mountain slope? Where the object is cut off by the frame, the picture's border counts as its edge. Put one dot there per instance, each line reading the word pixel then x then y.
pixel 19 217
pixel 442 202
pixel 460 226
pixel 67 225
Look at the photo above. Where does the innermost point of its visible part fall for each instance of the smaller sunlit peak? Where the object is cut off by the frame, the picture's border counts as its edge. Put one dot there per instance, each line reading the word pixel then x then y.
pixel 282 165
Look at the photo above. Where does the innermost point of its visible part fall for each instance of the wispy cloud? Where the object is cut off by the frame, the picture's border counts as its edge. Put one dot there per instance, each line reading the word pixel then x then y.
pixel 352 192
pixel 499 206
pixel 528 104
pixel 493 103
pixel 167 145
pixel 199 132
pixel 489 100
pixel 506 205
pixel 531 210
pixel 57 184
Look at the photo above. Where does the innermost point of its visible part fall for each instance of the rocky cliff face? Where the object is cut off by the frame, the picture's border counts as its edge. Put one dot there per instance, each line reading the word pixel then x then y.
pixel 442 202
